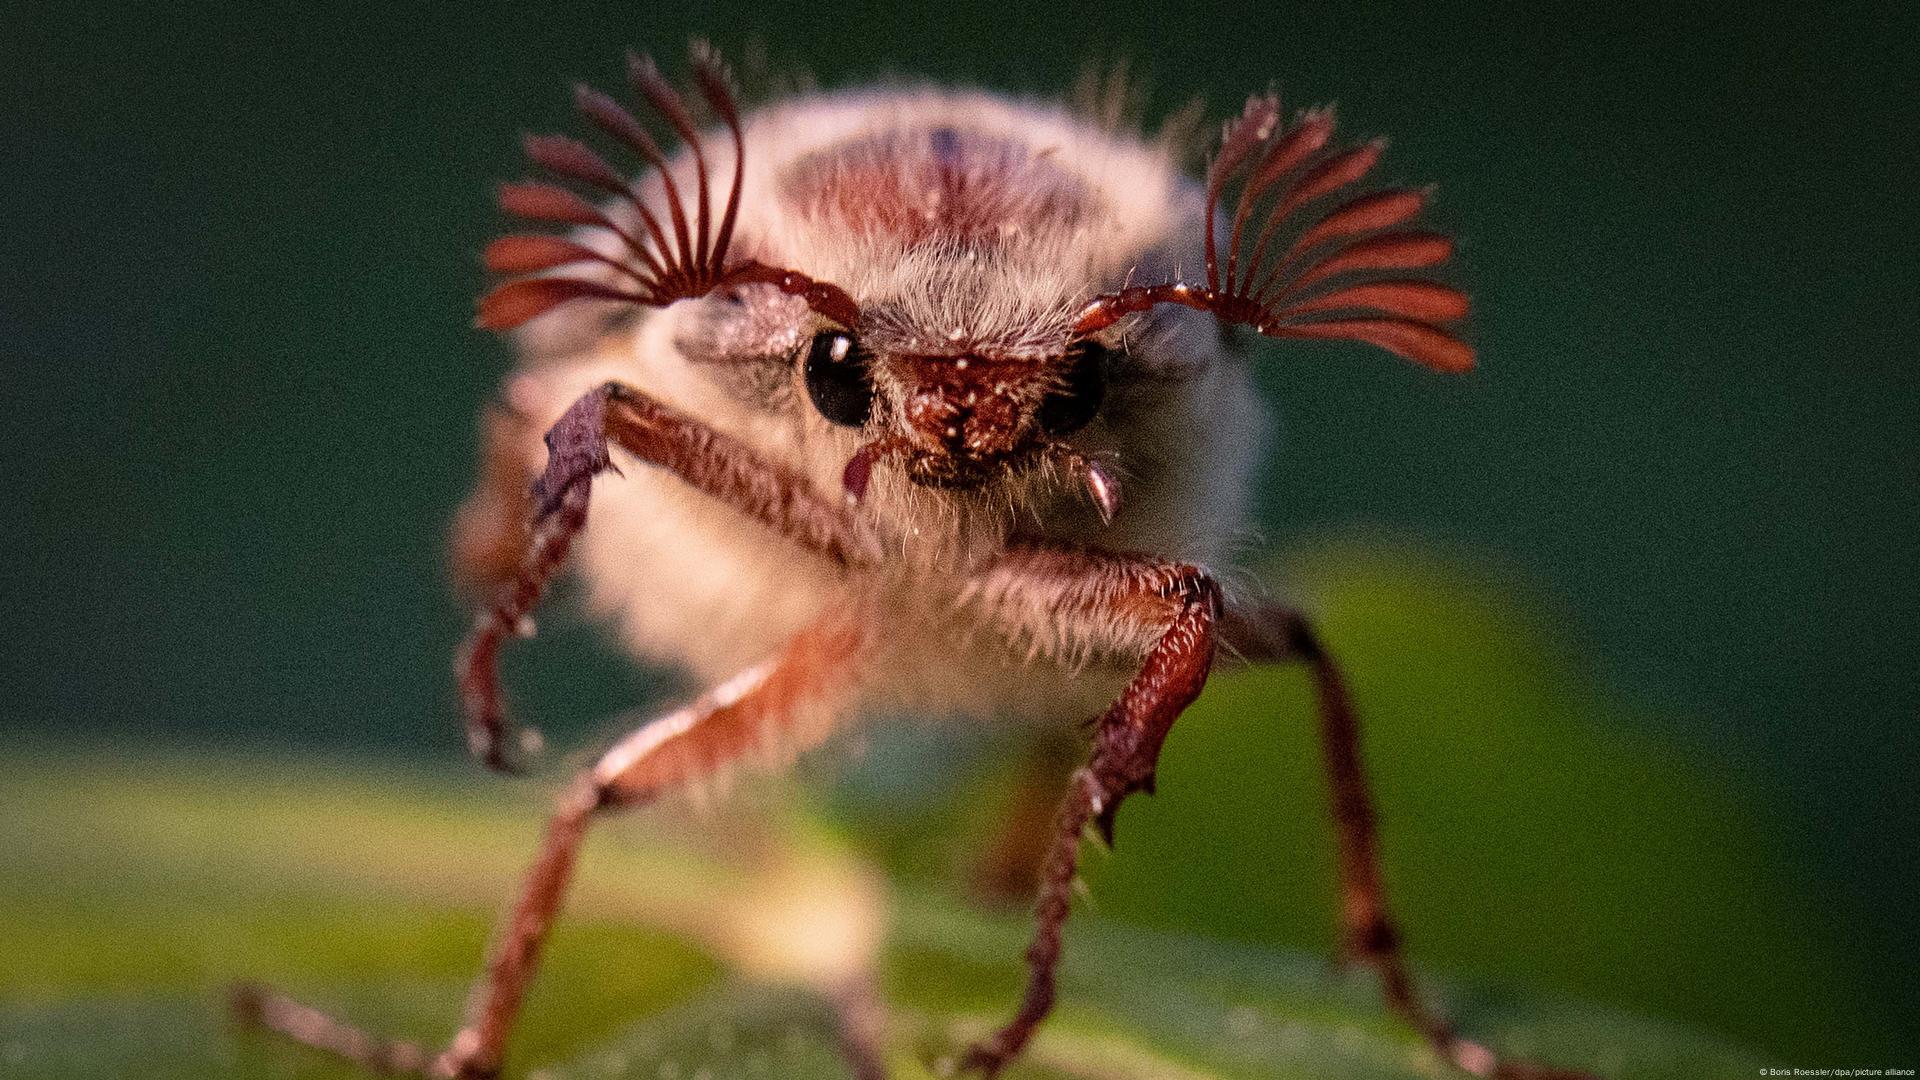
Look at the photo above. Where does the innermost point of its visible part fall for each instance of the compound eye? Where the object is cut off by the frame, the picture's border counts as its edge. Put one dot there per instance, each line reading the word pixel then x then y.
pixel 1078 399
pixel 840 378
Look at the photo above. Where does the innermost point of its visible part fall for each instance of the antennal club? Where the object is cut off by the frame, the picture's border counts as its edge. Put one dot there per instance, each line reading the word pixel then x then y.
pixel 1351 271
pixel 658 262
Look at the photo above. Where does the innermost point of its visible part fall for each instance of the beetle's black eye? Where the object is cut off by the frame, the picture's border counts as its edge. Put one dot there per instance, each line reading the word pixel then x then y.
pixel 839 378
pixel 1077 401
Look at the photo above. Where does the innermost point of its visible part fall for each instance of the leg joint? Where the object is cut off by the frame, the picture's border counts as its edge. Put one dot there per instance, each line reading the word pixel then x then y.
pixel 1301 639
pixel 1190 585
pixel 586 796
pixel 1377 937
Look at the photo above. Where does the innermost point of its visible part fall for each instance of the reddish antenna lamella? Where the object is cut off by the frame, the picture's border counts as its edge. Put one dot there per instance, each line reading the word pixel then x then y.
pixel 1327 281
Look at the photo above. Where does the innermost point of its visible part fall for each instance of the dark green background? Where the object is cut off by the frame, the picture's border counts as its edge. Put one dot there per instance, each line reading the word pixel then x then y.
pixel 240 254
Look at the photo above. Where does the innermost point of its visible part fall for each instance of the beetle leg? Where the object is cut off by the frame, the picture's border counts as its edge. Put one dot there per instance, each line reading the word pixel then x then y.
pixel 785 705
pixel 1127 739
pixel 257 1006
pixel 578 449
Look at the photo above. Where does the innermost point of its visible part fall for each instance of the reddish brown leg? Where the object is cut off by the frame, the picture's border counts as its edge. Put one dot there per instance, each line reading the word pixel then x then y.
pixel 578 449
pixel 787 704
pixel 1368 932
pixel 257 1006
pixel 1127 738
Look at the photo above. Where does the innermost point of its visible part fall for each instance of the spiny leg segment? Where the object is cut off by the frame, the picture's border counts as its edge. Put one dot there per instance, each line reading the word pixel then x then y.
pixel 1112 591
pixel 717 464
pixel 784 705
pixel 1127 743
pixel 787 704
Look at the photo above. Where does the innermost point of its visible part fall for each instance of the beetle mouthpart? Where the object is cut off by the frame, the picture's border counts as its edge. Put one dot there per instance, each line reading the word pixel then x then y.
pixel 1096 477
pixel 1102 487
pixel 859 470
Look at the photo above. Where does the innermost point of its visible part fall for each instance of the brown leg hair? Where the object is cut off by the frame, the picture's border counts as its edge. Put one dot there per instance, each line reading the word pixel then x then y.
pixel 787 704
pixel 1127 740
pixel 1368 932
pixel 578 449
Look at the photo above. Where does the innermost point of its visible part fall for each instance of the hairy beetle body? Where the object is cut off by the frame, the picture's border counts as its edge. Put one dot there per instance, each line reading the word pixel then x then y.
pixel 971 228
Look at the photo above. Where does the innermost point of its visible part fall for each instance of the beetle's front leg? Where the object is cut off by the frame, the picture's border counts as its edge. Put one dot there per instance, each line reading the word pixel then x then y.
pixel 578 449
pixel 1174 613
pixel 1123 595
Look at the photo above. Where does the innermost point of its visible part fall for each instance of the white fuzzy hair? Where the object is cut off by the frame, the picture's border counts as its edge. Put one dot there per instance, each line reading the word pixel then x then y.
pixel 687 581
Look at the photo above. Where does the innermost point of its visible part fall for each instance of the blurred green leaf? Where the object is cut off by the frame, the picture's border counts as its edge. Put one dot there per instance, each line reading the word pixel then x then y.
pixel 1536 827
pixel 136 890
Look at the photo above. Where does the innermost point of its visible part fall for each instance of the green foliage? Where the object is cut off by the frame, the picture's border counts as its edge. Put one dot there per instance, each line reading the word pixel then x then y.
pixel 140 892
pixel 1536 835
pixel 1535 830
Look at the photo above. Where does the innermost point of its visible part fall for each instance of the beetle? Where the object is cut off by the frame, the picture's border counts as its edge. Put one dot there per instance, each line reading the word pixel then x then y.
pixel 935 401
